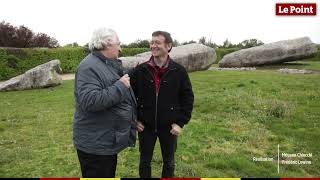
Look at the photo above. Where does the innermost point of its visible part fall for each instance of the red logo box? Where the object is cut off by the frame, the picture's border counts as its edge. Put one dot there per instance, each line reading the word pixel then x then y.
pixel 296 9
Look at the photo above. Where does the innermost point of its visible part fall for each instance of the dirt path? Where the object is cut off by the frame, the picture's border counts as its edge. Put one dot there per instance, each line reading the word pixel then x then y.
pixel 66 77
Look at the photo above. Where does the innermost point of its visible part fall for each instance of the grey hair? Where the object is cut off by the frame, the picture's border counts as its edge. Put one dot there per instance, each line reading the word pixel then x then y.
pixel 101 38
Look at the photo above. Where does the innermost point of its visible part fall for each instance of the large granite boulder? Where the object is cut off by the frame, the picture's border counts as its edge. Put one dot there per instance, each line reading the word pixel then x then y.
pixel 273 53
pixel 193 57
pixel 44 75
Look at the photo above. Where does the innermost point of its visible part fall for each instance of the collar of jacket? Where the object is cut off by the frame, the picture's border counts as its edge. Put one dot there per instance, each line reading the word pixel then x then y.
pixel 152 62
pixel 104 58
pixel 116 64
pixel 170 64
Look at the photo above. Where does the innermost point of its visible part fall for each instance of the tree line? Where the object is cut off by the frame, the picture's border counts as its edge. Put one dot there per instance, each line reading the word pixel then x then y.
pixel 23 37
pixel 203 40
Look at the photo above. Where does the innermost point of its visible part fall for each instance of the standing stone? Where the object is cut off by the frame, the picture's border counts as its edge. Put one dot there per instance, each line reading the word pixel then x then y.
pixel 44 75
pixel 273 53
pixel 194 57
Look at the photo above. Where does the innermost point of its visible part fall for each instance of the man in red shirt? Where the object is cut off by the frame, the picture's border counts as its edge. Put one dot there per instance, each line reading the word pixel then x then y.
pixel 165 102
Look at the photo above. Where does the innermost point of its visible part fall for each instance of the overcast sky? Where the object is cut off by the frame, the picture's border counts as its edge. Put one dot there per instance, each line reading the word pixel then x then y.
pixel 74 20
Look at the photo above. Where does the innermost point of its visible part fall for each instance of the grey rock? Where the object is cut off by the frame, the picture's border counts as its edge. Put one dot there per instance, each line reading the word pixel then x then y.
pixel 44 75
pixel 193 57
pixel 273 53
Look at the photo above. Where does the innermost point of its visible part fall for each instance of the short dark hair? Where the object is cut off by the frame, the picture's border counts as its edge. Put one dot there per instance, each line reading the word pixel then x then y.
pixel 166 35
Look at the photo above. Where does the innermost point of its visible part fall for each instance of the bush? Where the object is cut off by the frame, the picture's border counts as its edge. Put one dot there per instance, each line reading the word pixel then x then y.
pixel 223 51
pixel 16 61
pixel 316 57
pixel 133 51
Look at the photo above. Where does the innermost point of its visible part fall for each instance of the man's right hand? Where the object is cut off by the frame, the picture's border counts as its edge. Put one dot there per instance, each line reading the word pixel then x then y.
pixel 140 126
pixel 125 79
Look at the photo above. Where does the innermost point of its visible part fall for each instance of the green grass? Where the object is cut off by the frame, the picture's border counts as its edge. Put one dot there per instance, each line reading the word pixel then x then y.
pixel 237 115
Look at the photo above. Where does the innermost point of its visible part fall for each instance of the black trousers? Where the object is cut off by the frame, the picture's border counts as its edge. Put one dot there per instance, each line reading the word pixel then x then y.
pixel 97 166
pixel 168 144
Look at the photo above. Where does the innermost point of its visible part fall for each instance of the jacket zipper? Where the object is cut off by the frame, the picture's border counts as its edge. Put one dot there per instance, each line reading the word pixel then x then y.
pixel 156 115
pixel 156 110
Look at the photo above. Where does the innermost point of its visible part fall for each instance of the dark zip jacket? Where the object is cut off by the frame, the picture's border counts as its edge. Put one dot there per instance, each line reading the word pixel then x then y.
pixel 174 102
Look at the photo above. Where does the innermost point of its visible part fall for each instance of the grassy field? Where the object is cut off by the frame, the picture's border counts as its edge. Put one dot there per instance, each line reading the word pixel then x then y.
pixel 237 116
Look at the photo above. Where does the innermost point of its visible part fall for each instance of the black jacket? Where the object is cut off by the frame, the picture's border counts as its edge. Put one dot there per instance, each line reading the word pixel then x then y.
pixel 174 102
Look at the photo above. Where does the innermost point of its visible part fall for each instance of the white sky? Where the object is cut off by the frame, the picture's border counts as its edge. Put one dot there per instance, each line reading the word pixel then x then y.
pixel 74 20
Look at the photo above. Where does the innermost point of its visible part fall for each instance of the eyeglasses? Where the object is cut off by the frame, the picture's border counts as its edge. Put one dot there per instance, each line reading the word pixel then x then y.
pixel 155 42
pixel 117 44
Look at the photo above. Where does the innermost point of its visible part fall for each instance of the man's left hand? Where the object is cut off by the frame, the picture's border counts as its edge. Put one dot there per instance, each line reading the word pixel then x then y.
pixel 176 129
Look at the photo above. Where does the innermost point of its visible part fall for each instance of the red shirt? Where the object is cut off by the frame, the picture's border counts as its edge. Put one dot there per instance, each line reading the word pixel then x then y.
pixel 158 71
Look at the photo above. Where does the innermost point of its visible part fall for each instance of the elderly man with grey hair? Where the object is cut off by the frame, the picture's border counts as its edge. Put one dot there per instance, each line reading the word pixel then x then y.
pixel 105 116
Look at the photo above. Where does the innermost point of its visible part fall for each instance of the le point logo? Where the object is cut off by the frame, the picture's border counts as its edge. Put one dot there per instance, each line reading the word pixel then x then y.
pixel 296 9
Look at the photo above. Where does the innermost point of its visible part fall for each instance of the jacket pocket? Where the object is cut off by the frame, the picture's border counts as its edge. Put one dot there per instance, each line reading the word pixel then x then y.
pixel 123 114
pixel 175 111
pixel 106 138
pixel 145 112
pixel 168 114
pixel 122 137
